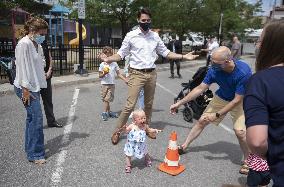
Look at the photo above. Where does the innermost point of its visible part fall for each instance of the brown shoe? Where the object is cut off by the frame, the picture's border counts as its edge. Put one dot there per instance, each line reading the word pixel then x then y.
pixel 151 135
pixel 115 137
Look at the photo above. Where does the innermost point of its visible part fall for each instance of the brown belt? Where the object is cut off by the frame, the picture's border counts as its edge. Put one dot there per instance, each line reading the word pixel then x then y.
pixel 144 70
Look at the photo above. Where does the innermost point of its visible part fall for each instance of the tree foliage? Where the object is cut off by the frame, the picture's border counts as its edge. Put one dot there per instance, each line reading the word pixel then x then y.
pixel 31 6
pixel 203 16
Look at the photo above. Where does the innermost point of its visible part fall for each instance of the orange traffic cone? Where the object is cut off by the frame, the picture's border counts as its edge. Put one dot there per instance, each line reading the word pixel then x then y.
pixel 170 164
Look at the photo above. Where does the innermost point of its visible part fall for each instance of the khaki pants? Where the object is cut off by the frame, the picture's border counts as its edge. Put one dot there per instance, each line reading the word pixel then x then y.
pixel 237 113
pixel 137 81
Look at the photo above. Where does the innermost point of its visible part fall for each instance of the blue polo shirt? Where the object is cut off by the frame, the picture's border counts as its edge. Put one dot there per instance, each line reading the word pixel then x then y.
pixel 264 105
pixel 229 83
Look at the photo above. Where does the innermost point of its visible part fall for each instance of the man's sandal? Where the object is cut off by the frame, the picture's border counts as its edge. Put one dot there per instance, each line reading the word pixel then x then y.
pixel 128 169
pixel 244 169
pixel 180 150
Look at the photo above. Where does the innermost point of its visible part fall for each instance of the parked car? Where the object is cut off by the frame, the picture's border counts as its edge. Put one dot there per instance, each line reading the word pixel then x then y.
pixel 193 41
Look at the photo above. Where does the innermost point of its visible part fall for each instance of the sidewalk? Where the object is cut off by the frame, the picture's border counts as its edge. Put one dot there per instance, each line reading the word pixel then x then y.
pixel 67 80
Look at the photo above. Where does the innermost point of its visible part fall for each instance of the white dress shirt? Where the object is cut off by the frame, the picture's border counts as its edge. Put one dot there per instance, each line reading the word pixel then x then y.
pixel 29 66
pixel 212 46
pixel 142 48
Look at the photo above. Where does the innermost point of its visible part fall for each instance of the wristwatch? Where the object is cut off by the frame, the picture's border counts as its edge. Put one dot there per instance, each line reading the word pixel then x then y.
pixel 217 115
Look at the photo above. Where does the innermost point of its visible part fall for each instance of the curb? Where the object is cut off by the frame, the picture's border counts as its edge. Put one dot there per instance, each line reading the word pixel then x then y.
pixel 10 90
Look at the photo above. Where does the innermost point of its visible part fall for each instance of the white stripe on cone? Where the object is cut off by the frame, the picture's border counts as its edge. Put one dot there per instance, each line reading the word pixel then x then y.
pixel 173 145
pixel 170 162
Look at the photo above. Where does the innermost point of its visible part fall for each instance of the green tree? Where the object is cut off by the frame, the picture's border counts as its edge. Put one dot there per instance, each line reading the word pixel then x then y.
pixel 113 12
pixel 31 6
pixel 203 16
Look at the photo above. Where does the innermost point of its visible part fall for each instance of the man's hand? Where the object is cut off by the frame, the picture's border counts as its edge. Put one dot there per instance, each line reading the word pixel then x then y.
pixel 103 57
pixel 190 56
pixel 174 107
pixel 209 117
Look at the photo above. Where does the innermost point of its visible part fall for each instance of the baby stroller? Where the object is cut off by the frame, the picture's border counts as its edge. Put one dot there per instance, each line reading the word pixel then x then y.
pixel 8 64
pixel 195 108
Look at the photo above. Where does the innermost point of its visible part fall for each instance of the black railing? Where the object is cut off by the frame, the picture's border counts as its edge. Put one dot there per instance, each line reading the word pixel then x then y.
pixel 64 58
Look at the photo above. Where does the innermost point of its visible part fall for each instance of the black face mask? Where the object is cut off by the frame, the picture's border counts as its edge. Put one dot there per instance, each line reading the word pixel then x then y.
pixel 145 26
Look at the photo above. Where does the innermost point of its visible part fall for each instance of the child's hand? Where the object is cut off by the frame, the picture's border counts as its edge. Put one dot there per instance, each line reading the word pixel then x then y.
pixel 126 80
pixel 157 131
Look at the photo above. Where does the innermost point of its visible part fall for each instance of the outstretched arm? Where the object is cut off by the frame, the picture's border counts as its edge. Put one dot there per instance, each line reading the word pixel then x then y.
pixel 188 56
pixel 113 58
pixel 190 96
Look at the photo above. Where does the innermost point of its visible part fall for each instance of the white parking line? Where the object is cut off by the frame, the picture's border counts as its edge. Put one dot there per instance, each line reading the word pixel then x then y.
pixel 173 94
pixel 56 175
pixel 60 81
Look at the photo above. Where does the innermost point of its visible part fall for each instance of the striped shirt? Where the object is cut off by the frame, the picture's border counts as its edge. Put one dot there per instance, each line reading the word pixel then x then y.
pixel 256 163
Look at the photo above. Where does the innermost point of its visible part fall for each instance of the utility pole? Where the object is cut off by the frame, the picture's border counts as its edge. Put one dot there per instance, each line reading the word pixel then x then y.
pixel 220 27
pixel 81 16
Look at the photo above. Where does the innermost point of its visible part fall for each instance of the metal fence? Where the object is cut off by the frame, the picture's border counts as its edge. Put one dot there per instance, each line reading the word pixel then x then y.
pixel 64 58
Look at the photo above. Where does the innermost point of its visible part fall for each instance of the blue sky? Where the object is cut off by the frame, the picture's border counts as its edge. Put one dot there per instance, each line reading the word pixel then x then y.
pixel 267 5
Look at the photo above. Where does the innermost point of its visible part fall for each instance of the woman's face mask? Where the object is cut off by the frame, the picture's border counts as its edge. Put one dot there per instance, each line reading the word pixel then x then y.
pixel 38 39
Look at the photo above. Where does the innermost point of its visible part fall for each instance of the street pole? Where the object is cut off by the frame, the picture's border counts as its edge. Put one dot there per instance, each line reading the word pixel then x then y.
pixel 220 27
pixel 81 16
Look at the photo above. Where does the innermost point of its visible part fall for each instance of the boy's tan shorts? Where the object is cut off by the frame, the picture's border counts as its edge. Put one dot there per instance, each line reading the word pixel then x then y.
pixel 237 113
pixel 107 92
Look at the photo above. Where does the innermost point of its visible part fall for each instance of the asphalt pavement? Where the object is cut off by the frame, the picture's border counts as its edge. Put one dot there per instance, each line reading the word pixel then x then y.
pixel 81 153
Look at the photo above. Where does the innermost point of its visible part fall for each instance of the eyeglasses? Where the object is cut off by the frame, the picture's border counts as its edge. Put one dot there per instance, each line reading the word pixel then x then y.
pixel 146 20
pixel 217 64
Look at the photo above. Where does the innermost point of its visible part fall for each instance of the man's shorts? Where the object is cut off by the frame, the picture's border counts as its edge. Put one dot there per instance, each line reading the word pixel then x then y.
pixel 237 113
pixel 256 178
pixel 107 92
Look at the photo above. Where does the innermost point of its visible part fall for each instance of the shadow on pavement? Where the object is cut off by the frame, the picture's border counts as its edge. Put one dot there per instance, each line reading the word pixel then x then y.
pixel 62 121
pixel 242 183
pixel 220 147
pixel 57 144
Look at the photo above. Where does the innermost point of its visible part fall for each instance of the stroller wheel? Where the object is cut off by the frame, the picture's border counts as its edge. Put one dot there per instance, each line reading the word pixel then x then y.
pixel 188 114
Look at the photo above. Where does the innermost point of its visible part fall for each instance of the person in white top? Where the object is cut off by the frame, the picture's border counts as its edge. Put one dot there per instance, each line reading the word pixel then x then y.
pixel 30 78
pixel 211 45
pixel 143 46
pixel 107 73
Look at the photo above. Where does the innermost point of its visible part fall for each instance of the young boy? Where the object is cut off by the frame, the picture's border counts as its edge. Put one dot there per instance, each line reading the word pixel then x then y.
pixel 107 73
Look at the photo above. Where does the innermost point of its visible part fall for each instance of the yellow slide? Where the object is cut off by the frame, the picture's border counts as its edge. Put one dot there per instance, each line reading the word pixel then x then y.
pixel 75 41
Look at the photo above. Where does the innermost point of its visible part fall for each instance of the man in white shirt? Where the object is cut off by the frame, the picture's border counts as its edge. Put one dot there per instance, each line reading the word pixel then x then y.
pixel 143 46
pixel 212 44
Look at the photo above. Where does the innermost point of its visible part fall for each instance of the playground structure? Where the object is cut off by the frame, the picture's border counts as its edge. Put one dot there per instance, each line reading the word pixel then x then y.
pixel 61 29
pixel 75 41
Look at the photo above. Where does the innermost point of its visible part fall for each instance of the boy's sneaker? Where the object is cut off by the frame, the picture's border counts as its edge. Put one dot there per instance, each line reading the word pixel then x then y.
pixel 104 116
pixel 113 114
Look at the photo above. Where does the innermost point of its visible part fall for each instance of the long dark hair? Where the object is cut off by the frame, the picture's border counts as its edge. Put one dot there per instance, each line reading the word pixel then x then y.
pixel 272 46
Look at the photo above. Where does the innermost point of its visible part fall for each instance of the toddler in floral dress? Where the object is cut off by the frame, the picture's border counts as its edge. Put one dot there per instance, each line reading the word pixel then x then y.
pixel 136 140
